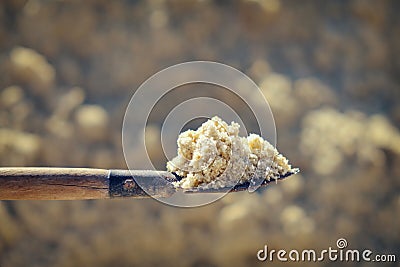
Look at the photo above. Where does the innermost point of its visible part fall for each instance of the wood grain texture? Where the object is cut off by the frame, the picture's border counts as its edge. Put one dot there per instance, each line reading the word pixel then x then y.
pixel 53 183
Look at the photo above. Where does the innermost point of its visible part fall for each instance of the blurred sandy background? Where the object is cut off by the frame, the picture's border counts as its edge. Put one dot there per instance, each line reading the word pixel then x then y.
pixel 329 69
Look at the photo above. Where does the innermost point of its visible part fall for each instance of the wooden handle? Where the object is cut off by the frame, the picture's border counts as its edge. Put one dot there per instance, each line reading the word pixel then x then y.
pixel 80 183
pixel 53 183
